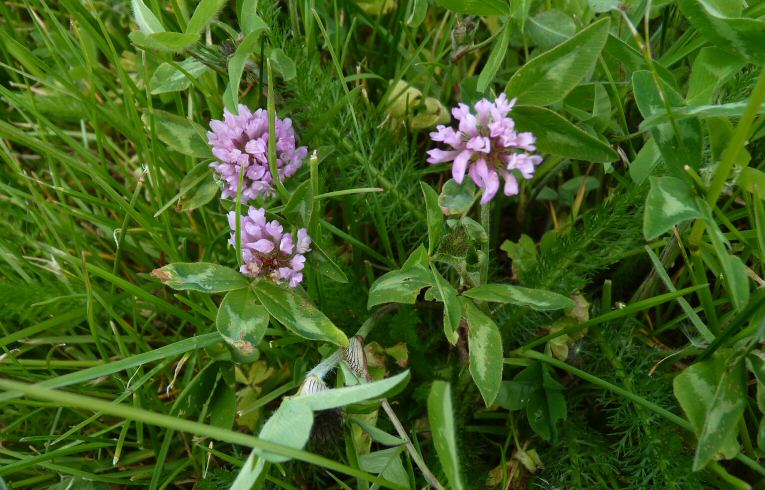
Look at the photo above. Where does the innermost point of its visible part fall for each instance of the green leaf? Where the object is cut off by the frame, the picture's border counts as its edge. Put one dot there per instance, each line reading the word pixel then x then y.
pixel 163 41
pixel 535 388
pixel 236 67
pixel 418 11
pixel 297 313
pixel 200 276
pixel 249 20
pixel 434 216
pixel 325 266
pixel 241 321
pixel 300 203
pixel 180 134
pixel 734 271
pixel 550 28
pixel 378 435
pixel 203 15
pixel 550 76
pixel 168 78
pixel 537 299
pixel 751 180
pixel 712 396
pixel 600 6
pixel 145 18
pixel 341 397
pixel 289 426
pixel 680 149
pixel 645 162
pixel 223 404
pixel 485 346
pixel 711 69
pixel 557 136
pixel 251 472
pixel 738 35
pixel 283 63
pixel 452 305
pixel 496 57
pixel 477 7
pixel 670 201
pixel 200 195
pixel 387 463
pixel 457 199
pixel 401 286
pixel 441 418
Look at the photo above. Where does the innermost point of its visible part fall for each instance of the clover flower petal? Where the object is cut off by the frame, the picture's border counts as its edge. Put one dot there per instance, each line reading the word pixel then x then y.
pixel 267 251
pixel 486 146
pixel 240 141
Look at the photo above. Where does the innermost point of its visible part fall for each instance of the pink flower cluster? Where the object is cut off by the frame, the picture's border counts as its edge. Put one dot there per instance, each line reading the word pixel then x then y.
pixel 267 251
pixel 486 146
pixel 241 141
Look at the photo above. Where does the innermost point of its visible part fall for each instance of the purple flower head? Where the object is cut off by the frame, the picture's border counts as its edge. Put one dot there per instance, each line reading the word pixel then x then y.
pixel 486 146
pixel 241 141
pixel 267 251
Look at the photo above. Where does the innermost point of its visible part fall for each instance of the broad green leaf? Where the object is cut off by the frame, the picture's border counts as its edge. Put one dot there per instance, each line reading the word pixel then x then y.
pixel 249 20
pixel 441 418
pixel 163 41
pixel 341 397
pixel 477 7
pixel 634 60
pixel 401 286
pixel 544 400
pixel 496 57
pixel 300 203
pixel 283 63
pixel 452 305
pixel 325 266
pixel 751 179
pixel 200 195
pixel 680 149
pixel 537 299
pixel 297 313
pixel 289 426
pixel 200 276
pixel 387 463
pixel 145 19
pixel 236 67
pixel 711 69
pixel 418 258
pixel 670 201
pixel 645 161
pixel 557 136
pixel 553 74
pixel 433 213
pixel 223 403
pixel 167 78
pixel 378 435
pixel 736 34
pixel 204 13
pixel 735 277
pixel 251 472
pixel 514 394
pixel 457 199
pixel 241 321
pixel 485 351
pixel 180 134
pixel 600 6
pixel 550 28
pixel 713 397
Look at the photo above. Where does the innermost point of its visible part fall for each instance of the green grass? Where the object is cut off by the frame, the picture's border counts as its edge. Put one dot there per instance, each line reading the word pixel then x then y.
pixel 646 212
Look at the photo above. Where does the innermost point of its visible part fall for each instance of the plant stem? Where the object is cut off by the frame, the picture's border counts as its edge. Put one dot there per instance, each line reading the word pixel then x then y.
pixel 485 223
pixel 410 447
